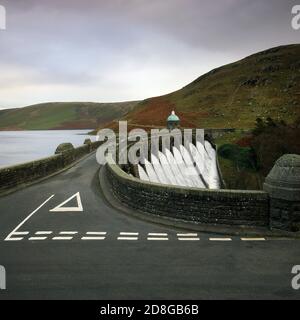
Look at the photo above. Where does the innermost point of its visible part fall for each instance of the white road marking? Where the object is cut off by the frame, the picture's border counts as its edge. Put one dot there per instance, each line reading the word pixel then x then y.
pixel 93 238
pixel 96 233
pixel 123 236
pixel 128 238
pixel 61 208
pixel 253 239
pixel 21 233
pixel 14 239
pixel 8 238
pixel 129 233
pixel 62 238
pixel 43 232
pixel 282 239
pixel 220 239
pixel 68 232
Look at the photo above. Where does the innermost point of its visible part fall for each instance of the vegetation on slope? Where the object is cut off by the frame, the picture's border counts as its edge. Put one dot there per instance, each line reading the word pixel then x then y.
pixel 63 115
pixel 246 159
pixel 263 85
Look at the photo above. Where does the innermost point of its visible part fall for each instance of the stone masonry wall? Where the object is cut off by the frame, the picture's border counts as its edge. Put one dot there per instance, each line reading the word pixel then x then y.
pixel 285 215
pixel 227 207
pixel 11 177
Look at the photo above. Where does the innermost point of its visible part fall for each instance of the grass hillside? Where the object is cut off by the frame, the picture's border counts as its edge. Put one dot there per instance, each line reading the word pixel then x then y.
pixel 266 84
pixel 63 115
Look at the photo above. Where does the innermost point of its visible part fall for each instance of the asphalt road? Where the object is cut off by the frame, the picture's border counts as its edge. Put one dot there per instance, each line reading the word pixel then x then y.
pixel 92 251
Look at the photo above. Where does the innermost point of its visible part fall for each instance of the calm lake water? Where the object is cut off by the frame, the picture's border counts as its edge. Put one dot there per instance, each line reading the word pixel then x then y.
pixel 22 146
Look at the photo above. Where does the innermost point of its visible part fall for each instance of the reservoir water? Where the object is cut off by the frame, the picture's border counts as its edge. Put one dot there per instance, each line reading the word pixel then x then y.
pixel 22 146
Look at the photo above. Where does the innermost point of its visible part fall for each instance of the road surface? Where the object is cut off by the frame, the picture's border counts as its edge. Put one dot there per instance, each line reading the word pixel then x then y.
pixel 60 239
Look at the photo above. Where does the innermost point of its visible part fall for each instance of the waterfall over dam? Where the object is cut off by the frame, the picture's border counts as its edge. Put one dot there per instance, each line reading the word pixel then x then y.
pixel 194 166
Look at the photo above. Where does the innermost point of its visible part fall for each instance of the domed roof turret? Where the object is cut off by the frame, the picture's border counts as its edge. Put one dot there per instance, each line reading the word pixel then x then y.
pixel 173 117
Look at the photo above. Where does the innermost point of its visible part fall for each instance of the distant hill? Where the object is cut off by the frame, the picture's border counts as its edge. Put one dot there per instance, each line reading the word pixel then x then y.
pixel 63 115
pixel 266 84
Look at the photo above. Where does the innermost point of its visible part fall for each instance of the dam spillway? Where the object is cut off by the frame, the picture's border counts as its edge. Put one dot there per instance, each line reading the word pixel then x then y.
pixel 194 166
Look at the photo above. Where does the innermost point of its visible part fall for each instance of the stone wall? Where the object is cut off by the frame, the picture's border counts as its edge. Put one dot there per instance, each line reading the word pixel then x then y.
pixel 226 207
pixel 21 174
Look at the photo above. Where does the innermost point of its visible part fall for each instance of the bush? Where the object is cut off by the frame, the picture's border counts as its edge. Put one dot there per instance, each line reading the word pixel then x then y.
pixel 243 158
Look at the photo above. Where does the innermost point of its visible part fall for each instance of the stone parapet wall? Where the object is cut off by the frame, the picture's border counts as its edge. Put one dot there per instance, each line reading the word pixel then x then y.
pixel 226 207
pixel 25 173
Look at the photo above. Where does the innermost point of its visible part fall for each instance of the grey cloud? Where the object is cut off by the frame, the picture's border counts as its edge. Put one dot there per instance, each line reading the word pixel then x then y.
pixel 101 43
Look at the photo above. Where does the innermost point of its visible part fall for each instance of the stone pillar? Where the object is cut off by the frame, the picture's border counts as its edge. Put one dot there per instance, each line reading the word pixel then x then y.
pixel 64 147
pixel 283 186
pixel 88 142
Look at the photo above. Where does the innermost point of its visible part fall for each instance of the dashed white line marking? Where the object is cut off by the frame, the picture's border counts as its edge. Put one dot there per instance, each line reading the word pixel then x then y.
pixel 281 239
pixel 187 234
pixel 21 233
pixel 93 238
pixel 253 239
pixel 129 233
pixel 96 233
pixel 62 238
pixel 220 239
pixel 37 238
pixel 26 219
pixel 14 239
pixel 43 233
pixel 125 236
pixel 68 232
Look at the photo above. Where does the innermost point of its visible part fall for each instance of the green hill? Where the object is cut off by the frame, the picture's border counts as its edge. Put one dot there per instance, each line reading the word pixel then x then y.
pixel 63 115
pixel 266 84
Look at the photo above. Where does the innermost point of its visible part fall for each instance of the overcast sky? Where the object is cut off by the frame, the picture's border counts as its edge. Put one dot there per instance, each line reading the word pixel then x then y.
pixel 116 50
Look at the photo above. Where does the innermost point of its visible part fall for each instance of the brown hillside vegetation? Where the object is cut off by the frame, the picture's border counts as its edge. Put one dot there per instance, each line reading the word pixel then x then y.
pixel 263 85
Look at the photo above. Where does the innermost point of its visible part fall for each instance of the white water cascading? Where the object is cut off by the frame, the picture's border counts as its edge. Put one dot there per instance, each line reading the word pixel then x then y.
pixel 194 167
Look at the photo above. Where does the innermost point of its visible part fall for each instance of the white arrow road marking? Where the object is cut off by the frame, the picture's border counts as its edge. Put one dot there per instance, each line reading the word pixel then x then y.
pixel 61 208
pixel 9 237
